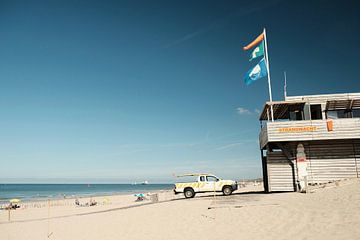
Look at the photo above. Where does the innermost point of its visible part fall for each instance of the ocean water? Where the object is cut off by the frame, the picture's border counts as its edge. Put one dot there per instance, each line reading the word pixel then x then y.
pixel 31 192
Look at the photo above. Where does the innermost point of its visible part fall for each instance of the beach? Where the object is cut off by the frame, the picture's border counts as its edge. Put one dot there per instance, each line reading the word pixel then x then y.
pixel 329 212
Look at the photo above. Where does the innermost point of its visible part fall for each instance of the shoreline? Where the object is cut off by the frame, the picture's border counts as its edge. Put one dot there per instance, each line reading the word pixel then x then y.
pixel 61 196
pixel 54 209
pixel 96 210
pixel 41 201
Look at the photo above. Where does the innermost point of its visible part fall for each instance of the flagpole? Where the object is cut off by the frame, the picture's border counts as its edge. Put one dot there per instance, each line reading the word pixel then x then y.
pixel 268 76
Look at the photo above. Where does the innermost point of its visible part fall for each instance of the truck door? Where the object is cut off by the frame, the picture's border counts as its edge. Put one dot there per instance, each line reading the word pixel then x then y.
pixel 202 184
pixel 210 183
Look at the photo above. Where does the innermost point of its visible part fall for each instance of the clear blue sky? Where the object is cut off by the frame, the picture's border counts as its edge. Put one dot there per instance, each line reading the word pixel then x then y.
pixel 123 91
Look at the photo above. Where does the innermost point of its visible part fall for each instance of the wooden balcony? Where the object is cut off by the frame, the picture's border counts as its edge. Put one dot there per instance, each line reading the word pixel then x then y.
pixel 308 130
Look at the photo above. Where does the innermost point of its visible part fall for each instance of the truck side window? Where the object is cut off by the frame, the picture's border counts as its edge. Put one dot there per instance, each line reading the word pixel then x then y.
pixel 211 179
pixel 202 179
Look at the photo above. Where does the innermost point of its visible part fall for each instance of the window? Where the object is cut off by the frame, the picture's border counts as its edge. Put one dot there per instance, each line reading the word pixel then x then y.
pixel 332 114
pixel 202 179
pixel 344 113
pixel 315 111
pixel 356 113
pixel 335 114
pixel 295 113
pixel 211 179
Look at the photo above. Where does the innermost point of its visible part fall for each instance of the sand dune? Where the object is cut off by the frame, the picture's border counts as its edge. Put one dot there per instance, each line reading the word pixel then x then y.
pixel 332 212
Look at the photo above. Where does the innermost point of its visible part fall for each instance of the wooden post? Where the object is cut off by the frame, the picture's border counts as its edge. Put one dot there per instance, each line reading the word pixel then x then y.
pixel 48 227
pixel 9 213
pixel 214 192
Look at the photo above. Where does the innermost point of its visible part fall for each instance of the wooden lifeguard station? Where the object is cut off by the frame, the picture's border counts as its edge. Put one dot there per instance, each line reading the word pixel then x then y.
pixel 315 138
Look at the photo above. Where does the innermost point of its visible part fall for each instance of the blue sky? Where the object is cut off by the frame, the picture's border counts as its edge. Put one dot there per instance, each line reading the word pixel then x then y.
pixel 123 91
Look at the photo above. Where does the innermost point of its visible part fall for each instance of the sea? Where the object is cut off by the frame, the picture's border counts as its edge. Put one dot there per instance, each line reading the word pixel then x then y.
pixel 36 192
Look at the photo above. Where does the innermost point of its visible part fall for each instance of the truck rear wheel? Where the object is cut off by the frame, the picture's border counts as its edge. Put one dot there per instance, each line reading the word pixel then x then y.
pixel 227 190
pixel 189 193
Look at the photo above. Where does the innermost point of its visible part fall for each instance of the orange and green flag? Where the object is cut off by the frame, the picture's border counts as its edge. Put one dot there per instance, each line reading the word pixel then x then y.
pixel 257 40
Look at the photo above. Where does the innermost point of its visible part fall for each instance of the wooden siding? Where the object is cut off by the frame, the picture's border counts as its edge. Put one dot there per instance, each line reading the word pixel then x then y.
pixel 346 128
pixel 280 173
pixel 357 156
pixel 263 138
pixel 329 161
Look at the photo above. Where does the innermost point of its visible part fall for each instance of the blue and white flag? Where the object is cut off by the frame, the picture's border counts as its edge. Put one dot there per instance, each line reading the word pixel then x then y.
pixel 256 72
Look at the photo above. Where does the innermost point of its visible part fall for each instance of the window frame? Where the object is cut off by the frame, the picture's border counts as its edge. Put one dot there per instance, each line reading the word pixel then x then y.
pixel 216 179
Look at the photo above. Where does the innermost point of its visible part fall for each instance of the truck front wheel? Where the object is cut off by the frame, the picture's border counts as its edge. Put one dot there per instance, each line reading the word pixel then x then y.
pixel 227 190
pixel 189 193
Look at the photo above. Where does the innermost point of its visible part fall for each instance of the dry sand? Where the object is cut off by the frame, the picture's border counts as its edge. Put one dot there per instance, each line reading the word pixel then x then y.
pixel 332 212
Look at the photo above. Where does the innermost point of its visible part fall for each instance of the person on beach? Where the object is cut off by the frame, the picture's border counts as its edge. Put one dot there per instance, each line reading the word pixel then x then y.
pixel 12 206
pixel 92 202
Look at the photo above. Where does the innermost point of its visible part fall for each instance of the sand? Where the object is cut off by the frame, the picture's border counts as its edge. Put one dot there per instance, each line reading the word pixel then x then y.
pixel 332 212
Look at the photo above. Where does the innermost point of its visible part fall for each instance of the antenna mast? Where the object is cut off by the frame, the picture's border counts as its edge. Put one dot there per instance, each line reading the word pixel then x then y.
pixel 285 94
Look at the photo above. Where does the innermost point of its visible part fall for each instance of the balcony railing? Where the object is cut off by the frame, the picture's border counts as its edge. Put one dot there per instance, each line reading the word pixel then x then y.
pixel 307 130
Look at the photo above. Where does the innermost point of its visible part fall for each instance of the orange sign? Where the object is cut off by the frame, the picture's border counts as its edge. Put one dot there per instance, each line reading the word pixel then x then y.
pixel 297 129
pixel 301 159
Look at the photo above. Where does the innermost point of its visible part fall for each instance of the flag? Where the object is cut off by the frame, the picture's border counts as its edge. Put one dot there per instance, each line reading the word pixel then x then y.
pixel 256 72
pixel 258 51
pixel 255 42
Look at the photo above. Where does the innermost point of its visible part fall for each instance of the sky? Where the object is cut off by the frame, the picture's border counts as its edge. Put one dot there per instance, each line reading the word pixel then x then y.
pixel 127 91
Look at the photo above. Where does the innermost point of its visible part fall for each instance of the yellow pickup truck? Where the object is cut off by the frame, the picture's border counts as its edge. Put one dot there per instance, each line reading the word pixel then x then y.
pixel 204 183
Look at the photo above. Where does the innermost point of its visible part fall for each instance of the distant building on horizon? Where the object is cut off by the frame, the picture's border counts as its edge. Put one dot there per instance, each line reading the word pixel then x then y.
pixel 311 140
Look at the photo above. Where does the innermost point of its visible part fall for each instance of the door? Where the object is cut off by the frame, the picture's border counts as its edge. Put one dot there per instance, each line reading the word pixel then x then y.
pixel 210 183
pixel 280 173
pixel 201 184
